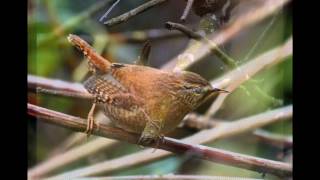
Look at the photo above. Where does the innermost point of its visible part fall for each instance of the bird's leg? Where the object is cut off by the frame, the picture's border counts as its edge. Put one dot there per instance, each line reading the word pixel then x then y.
pixel 90 120
pixel 159 140
pixel 151 133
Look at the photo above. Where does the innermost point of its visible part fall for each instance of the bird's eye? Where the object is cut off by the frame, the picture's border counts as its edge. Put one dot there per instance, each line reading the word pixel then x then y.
pixel 197 90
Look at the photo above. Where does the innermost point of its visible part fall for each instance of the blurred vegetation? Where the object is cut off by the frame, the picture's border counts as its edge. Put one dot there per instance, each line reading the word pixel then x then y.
pixel 49 55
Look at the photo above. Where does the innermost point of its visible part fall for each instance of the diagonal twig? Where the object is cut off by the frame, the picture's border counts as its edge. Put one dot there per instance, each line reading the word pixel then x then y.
pixel 79 152
pixel 57 87
pixel 186 10
pixel 277 140
pixel 213 47
pixel 204 136
pixel 236 77
pixel 109 10
pixel 139 36
pixel 230 31
pixel 212 154
pixel 68 157
pixel 166 177
pixel 126 16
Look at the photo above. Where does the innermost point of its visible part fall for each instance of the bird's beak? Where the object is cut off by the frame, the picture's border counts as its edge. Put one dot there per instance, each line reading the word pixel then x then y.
pixel 212 92
pixel 219 90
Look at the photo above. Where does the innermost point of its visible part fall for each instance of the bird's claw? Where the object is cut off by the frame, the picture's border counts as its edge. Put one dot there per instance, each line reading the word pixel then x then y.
pixel 149 139
pixel 91 122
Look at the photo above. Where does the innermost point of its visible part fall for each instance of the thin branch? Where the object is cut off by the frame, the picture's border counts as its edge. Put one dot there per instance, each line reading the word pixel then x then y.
pixel 61 160
pixel 77 153
pixel 230 31
pixel 71 142
pixel 54 84
pixel 109 10
pixel 199 122
pixel 142 36
pixel 213 47
pixel 166 177
pixel 169 144
pixel 274 139
pixel 193 120
pixel 261 37
pixel 204 7
pixel 67 153
pixel 186 10
pixel 126 16
pixel 236 77
pixel 66 144
pixel 64 93
pixel 205 136
pixel 223 56
pixel 57 87
pixel 184 29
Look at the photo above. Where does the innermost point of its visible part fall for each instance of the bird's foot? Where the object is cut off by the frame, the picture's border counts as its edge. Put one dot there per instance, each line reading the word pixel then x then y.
pixel 147 139
pixel 91 122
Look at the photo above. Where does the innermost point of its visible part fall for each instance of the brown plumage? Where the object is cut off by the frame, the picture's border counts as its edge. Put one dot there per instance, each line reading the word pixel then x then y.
pixel 141 99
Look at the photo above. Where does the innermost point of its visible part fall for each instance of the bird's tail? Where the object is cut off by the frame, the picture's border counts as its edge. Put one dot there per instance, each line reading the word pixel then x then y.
pixel 94 58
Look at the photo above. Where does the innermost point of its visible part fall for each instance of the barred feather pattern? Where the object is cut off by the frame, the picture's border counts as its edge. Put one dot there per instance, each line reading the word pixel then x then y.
pixel 119 105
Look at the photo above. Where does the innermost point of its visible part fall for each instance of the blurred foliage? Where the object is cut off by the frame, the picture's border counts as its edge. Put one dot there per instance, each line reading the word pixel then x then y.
pixel 50 55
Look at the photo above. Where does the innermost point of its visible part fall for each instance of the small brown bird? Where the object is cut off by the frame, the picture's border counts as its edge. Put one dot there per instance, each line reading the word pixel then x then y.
pixel 141 99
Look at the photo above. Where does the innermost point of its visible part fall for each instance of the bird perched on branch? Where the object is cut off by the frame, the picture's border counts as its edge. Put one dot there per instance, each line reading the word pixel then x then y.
pixel 141 99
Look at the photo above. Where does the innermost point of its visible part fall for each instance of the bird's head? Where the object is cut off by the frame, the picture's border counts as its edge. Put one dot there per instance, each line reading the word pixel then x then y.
pixel 195 90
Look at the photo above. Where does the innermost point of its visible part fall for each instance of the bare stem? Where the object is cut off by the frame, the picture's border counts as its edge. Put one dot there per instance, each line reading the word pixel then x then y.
pixel 236 77
pixel 184 29
pixel 180 147
pixel 166 177
pixel 69 142
pixel 274 139
pixel 109 10
pixel 186 10
pixel 213 47
pixel 69 156
pixel 57 87
pixel 64 93
pixel 230 31
pixel 126 16
pixel 61 160
pixel 204 136
pixel 139 36
pixel 54 84
pixel 199 122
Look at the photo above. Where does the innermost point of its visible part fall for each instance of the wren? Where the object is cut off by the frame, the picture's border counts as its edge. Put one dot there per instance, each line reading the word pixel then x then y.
pixel 141 99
